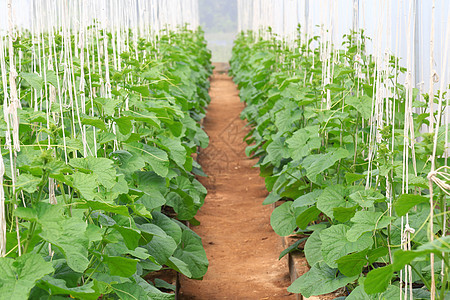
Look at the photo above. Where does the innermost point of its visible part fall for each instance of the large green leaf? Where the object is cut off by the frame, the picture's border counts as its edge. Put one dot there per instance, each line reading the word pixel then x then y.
pixel 366 198
pixel 307 216
pixel 85 183
pixel 335 243
pixel 276 151
pixel 332 197
pixel 27 182
pixel 105 206
pixel 190 251
pixel 130 291
pixel 313 248
pixel 120 266
pixel 161 246
pixel 56 286
pixel 363 104
pixel 438 245
pixel 316 164
pixel 179 266
pixel 129 162
pixel 365 221
pixel 155 157
pixel 66 233
pixel 378 280
pixel 303 141
pixel 152 200
pixel 33 79
pixel 175 149
pixel 283 219
pixel 307 199
pixel 93 121
pixel 407 201
pixel 321 279
pixel 20 275
pixel 168 225
pixel 358 294
pixel 102 168
pixel 352 264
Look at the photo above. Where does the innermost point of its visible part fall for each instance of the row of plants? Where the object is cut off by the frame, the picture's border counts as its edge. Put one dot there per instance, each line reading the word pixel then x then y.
pixel 337 176
pixel 99 193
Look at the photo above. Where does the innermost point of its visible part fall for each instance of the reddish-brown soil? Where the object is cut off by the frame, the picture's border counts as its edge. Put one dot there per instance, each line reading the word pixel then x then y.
pixel 235 227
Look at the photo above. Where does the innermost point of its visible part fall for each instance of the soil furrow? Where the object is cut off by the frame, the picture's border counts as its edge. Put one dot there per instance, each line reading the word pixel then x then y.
pixel 240 244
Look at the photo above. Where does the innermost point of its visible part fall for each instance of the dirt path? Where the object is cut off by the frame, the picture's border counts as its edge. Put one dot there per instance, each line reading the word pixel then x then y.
pixel 241 246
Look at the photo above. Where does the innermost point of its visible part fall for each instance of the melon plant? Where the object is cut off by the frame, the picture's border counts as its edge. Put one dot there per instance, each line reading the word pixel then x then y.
pixel 341 161
pixel 99 177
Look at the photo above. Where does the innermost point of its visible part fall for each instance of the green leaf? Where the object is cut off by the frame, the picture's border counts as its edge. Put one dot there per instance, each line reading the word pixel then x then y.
pixel 105 206
pixel 352 264
pixel 120 266
pixel 129 162
pixel 191 251
pixel 313 248
pixel 377 253
pixel 307 199
pixel 316 164
pixel 335 243
pixel 87 291
pixel 276 151
pixel 365 221
pixel 141 89
pixel 358 294
pixel 85 183
pixel 124 124
pixel 321 279
pixel 130 236
pixel 344 214
pixel 102 168
pixel 283 219
pixel 20 275
pixel 152 200
pixel 439 245
pixel 156 158
pixel 366 198
pixel 363 104
pixel 175 149
pixel 160 245
pixel 307 216
pixel 148 117
pixel 109 105
pixel 271 198
pixel 66 233
pixel 164 285
pixel 291 248
pixel 183 204
pixel 406 201
pixel 179 266
pixel 152 291
pixel 352 177
pixel 130 291
pixel 332 197
pixel 93 121
pixel 27 182
pixel 33 79
pixel 168 225
pixel 303 141
pixel 52 78
pixel 378 280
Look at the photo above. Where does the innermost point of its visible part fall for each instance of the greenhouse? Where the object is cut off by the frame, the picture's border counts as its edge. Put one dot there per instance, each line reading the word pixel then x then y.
pixel 224 149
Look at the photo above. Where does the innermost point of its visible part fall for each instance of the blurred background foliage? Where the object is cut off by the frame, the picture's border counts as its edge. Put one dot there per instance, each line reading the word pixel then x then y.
pixel 219 20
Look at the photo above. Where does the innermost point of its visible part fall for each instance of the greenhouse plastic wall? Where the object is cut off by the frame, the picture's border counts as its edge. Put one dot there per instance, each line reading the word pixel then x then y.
pixel 397 27
pixel 153 13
